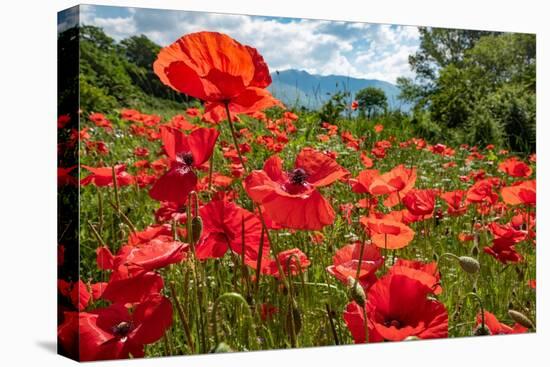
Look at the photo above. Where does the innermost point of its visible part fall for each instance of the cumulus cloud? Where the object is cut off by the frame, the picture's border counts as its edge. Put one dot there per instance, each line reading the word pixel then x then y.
pixel 319 47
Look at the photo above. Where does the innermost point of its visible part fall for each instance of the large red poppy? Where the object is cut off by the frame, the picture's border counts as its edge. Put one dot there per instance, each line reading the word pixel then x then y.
pixel 387 233
pixel 397 183
pixel 225 225
pixel 114 332
pixel 346 261
pixel 398 307
pixel 186 152
pixel 217 69
pixel 291 198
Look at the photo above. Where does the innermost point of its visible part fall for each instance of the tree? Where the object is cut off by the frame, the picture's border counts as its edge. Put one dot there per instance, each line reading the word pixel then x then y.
pixel 372 101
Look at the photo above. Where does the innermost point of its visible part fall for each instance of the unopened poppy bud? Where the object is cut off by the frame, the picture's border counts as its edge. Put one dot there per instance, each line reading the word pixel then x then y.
pixel 356 292
pixel 196 229
pixel 222 348
pixel 468 264
pixel 521 319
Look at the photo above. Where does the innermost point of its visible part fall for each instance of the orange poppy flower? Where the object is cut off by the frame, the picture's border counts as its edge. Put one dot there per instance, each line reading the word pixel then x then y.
pixel 397 183
pixel 520 193
pixel 387 233
pixel 217 69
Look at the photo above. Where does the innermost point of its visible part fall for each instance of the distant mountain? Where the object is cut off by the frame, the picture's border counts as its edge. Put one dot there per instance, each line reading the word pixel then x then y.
pixel 299 88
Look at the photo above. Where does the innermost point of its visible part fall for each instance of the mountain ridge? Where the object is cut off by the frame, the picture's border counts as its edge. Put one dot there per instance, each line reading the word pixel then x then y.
pixel 297 88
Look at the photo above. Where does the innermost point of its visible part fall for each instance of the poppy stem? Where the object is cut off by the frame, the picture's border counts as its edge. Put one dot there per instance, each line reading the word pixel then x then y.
pixel 480 303
pixel 332 327
pixel 234 136
pixel 183 318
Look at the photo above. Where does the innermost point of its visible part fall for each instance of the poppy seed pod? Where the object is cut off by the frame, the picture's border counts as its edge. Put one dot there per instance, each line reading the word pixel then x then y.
pixel 196 229
pixel 521 319
pixel 469 264
pixel 356 292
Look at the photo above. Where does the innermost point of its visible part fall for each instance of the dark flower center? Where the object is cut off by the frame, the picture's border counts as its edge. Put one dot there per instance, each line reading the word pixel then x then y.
pixel 297 176
pixel 122 329
pixel 186 158
pixel 395 323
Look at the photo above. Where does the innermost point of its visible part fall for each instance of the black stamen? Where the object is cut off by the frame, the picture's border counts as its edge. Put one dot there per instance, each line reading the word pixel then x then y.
pixel 298 176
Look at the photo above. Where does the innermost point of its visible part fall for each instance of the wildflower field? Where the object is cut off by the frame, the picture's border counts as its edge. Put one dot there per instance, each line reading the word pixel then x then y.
pixel 240 224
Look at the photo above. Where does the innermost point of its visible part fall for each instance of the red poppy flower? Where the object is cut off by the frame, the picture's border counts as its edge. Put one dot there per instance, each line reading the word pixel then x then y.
pixel 100 120
pixel 378 128
pixel 103 176
pixel 420 202
pixel 397 183
pixel 186 152
pixel 291 198
pixel 225 225
pixel 515 168
pixel 497 328
pixel 346 261
pixel 505 239
pixel 154 254
pixel 354 105
pixel 217 69
pixel 387 233
pixel 125 288
pixel 456 205
pixel 520 193
pixel 398 307
pixel 114 332
pixel 482 192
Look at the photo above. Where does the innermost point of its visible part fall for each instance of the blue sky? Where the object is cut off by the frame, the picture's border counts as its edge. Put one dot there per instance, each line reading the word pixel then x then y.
pixel 363 50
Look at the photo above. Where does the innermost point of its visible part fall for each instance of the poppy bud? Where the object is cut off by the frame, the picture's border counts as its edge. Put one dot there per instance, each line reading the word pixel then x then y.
pixel 469 264
pixel 196 229
pixel 521 319
pixel 356 292
pixel 222 348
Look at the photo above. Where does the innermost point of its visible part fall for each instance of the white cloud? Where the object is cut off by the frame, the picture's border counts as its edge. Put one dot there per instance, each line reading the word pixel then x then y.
pixel 319 47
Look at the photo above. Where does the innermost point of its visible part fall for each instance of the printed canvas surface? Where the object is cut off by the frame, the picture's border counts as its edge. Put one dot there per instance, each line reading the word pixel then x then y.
pixel 238 183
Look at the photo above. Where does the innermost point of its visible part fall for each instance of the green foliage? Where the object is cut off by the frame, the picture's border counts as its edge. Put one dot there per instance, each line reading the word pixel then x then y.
pixel 332 109
pixel 476 85
pixel 121 74
pixel 372 100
